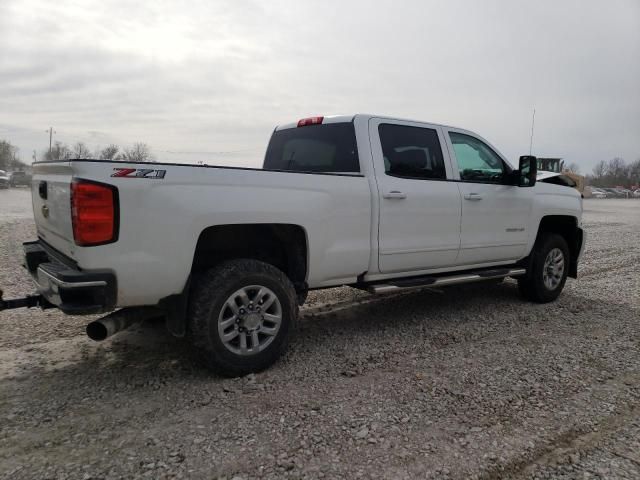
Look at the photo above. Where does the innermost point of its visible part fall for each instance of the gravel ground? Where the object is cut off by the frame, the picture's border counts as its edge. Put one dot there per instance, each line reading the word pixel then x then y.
pixel 469 383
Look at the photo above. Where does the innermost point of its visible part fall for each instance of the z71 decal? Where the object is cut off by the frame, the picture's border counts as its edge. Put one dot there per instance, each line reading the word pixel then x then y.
pixel 138 173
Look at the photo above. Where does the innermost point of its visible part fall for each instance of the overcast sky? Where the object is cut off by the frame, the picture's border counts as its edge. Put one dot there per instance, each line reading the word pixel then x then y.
pixel 208 80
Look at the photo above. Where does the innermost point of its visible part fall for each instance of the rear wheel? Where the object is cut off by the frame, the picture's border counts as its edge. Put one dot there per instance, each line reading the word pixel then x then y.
pixel 547 275
pixel 241 313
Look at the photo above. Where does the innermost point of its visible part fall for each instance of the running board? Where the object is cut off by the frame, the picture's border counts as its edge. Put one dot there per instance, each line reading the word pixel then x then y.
pixel 432 281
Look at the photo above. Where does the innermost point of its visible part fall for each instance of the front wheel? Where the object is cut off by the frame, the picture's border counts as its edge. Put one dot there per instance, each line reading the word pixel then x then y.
pixel 548 270
pixel 240 316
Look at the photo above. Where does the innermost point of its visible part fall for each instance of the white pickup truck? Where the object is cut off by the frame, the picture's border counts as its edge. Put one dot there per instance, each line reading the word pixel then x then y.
pixel 227 254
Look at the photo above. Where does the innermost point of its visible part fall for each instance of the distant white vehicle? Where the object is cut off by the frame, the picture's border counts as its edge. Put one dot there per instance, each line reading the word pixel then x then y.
pixel 597 193
pixel 227 254
pixel 636 194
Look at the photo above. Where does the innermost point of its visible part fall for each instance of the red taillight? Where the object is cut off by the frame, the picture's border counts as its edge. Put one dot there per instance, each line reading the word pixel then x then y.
pixel 94 213
pixel 310 121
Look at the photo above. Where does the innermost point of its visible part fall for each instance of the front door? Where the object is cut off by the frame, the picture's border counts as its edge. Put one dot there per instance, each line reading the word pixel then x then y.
pixel 419 210
pixel 495 215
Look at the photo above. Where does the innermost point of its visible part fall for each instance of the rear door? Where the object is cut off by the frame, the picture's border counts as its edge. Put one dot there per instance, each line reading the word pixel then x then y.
pixel 419 210
pixel 495 215
pixel 51 197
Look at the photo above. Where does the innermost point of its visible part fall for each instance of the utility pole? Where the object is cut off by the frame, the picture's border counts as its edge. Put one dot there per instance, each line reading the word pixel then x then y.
pixel 533 122
pixel 51 132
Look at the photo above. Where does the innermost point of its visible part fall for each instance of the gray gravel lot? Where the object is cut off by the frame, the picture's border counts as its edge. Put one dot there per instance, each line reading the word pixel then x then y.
pixel 469 383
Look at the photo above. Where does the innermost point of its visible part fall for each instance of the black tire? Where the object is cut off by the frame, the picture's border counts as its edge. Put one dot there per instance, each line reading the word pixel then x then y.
pixel 532 285
pixel 210 292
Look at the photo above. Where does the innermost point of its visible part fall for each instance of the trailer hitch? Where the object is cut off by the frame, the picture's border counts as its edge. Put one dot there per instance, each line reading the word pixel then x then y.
pixel 30 301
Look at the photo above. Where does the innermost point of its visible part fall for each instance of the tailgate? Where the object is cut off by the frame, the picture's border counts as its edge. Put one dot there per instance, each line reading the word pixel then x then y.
pixel 51 196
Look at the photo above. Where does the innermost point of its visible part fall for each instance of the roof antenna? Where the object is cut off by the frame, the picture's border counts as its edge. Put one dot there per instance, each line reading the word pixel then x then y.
pixel 533 122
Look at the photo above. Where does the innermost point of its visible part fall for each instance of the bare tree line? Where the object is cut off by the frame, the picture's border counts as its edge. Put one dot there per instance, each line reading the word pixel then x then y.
pixel 139 152
pixel 611 173
pixel 9 157
pixel 615 172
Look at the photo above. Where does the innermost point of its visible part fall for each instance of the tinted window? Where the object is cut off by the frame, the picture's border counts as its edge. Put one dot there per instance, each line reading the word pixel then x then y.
pixel 411 152
pixel 314 148
pixel 476 161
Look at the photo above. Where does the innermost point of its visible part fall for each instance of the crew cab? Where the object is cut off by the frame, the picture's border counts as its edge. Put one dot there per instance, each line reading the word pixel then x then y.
pixel 226 255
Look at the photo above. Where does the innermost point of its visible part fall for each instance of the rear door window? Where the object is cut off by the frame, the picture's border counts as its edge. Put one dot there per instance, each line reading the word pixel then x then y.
pixel 411 152
pixel 328 148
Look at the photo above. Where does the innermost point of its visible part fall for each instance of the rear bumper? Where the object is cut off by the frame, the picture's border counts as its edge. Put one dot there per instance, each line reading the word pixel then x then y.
pixel 62 283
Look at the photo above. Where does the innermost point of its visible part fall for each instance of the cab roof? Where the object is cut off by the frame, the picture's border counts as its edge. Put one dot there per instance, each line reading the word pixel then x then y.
pixel 350 118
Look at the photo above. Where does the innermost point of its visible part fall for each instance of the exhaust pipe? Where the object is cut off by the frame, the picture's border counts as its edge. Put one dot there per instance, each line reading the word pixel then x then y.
pixel 115 322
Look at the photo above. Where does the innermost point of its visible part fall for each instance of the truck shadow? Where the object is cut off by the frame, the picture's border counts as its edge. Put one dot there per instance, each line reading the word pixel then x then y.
pixel 145 374
pixel 147 356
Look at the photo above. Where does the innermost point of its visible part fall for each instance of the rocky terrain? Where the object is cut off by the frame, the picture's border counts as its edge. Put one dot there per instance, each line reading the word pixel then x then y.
pixel 469 382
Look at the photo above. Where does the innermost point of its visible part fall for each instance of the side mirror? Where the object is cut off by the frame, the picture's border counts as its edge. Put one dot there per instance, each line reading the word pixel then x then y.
pixel 527 171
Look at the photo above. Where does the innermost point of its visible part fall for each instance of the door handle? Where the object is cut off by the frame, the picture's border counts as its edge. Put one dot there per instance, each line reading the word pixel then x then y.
pixel 474 197
pixel 394 194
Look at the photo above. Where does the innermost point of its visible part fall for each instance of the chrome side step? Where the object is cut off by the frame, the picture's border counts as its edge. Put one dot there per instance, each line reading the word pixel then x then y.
pixel 433 281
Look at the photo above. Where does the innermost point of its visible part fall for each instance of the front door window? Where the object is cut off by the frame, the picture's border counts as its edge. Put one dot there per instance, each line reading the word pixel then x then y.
pixel 476 161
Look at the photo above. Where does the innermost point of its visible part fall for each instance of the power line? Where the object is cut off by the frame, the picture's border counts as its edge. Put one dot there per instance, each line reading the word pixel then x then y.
pixel 51 132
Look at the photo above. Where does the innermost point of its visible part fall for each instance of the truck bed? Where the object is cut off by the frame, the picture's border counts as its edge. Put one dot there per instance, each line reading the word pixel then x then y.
pixel 163 209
